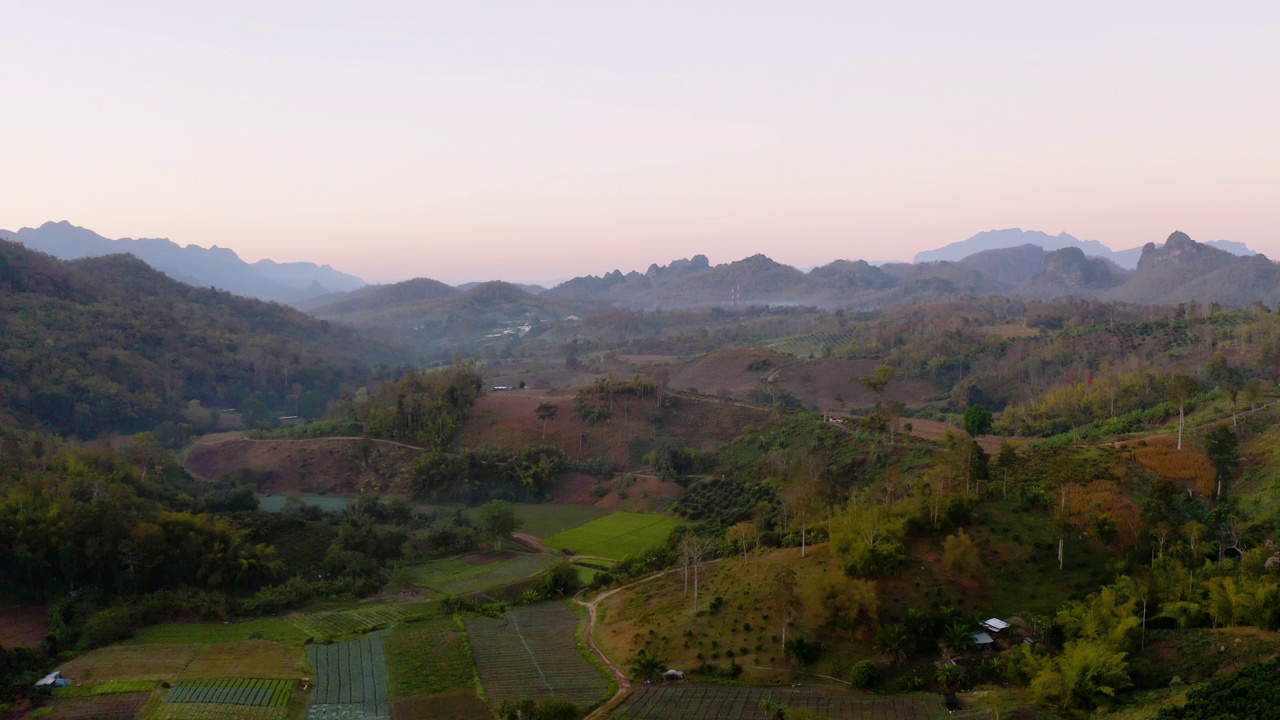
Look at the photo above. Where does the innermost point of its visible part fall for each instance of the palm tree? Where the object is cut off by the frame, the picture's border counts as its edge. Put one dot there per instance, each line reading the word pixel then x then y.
pixel 958 637
pixel 645 666
pixel 546 411
pixel 895 642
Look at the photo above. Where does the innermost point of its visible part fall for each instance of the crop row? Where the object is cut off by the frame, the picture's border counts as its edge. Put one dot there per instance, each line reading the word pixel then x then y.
pixel 263 693
pixel 532 652
pixel 666 702
pixel 351 680
pixel 215 711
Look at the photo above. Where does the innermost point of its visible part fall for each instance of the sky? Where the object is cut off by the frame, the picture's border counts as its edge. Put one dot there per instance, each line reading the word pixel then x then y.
pixel 536 141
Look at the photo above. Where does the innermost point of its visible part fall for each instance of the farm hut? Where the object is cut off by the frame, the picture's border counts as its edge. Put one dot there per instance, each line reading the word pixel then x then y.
pixel 673 675
pixel 983 640
pixel 994 625
pixel 53 680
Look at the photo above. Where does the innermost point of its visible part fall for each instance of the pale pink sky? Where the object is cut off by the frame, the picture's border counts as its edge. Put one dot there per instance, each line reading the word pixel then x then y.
pixel 536 141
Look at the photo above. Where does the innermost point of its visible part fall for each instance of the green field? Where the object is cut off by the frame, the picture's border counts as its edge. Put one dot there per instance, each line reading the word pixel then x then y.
pixel 277 503
pixel 351 681
pixel 254 693
pixel 273 629
pixel 335 624
pixel 615 536
pixel 693 702
pixel 427 657
pixel 461 576
pixel 106 688
pixel 533 652
pixel 215 711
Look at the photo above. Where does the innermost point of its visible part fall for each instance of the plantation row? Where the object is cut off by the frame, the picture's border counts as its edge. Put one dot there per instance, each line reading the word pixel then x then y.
pixel 668 702
pixel 264 693
pixel 351 680
pixel 531 653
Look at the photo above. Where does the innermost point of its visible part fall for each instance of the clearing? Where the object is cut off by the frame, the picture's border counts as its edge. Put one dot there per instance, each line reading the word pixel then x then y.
pixel 23 626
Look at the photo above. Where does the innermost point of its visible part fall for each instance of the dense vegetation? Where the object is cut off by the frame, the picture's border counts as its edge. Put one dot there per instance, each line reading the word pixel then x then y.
pixel 110 345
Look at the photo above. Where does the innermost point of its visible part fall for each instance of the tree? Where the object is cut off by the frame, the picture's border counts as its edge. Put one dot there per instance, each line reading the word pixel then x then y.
pixel 646 666
pixel 1179 389
pixel 977 421
pixel 843 603
pixel 1082 676
pixel 498 520
pixel 695 550
pixel 782 591
pixel 878 380
pixel 1228 380
pixel 961 558
pixel 894 641
pixel 546 411
pixel 1221 445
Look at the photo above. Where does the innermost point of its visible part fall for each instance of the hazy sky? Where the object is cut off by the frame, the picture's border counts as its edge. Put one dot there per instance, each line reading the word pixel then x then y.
pixel 535 141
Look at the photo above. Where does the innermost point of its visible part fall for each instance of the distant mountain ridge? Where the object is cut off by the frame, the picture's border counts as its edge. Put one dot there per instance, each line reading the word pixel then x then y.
pixel 203 267
pixel 1014 237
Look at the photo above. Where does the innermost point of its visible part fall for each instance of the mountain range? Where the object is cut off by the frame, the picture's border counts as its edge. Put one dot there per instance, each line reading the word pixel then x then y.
pixel 203 267
pixel 1014 237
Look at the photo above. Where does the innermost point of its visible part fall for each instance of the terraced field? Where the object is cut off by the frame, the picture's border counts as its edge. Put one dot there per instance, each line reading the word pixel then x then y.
pixel 336 624
pixel 695 702
pixel 215 711
pixel 472 574
pixel 256 693
pixel 115 706
pixel 615 536
pixel 533 652
pixel 273 629
pixel 351 681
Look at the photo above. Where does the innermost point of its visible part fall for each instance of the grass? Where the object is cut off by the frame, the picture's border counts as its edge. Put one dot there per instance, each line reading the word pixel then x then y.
pixel 427 657
pixel 615 536
pixel 273 629
pixel 547 519
pixel 462 576
pixel 129 662
pixel 251 659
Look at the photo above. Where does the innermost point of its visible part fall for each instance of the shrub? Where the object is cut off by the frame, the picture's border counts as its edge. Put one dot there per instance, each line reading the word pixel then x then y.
pixel 865 674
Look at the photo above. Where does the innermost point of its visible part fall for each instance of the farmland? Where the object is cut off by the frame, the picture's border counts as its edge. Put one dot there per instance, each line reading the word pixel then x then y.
pixel 251 659
pixel 23 626
pixel 335 624
pixel 130 662
pixel 674 702
pixel 215 711
pixel 351 681
pixel 253 693
pixel 453 705
pixel 273 629
pixel 533 652
pixel 615 536
pixel 115 706
pixel 474 573
pixel 427 657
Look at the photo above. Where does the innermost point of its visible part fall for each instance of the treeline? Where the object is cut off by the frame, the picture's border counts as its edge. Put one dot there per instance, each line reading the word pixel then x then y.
pixel 110 345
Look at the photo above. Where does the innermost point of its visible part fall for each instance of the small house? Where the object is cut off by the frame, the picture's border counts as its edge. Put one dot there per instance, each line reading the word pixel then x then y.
pixel 983 640
pixel 994 625
pixel 53 680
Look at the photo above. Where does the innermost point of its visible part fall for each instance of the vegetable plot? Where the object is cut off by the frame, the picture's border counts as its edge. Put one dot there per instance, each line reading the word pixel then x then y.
pixel 260 693
pixel 677 702
pixel 351 681
pixel 533 652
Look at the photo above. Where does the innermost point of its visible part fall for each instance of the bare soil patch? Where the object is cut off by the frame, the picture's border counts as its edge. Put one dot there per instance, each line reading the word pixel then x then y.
pixel 321 465
pixel 23 626
pixel 935 429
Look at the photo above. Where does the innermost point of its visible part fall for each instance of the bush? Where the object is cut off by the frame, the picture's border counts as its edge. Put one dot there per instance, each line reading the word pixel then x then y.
pixel 802 651
pixel 865 674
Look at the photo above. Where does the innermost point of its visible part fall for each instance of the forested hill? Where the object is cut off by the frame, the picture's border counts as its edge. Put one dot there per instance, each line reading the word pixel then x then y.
pixel 110 345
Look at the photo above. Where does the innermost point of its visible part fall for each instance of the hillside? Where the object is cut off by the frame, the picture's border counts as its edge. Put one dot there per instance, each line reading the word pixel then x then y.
pixel 1182 269
pixel 109 344
pixel 203 267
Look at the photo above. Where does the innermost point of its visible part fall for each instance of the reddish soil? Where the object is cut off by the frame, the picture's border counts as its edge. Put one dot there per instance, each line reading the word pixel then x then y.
pixel 935 429
pixel 323 465
pixel 23 626
pixel 645 493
